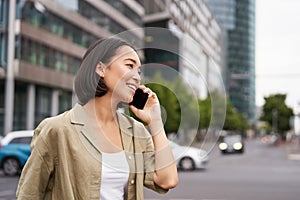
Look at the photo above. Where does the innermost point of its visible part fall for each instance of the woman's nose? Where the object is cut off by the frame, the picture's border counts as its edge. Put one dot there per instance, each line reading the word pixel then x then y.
pixel 136 76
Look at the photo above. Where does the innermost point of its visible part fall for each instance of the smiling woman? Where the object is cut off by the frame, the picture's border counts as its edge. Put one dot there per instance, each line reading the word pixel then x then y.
pixel 94 152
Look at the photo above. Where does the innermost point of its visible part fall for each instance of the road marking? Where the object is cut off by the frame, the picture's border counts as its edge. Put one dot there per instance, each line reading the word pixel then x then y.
pixel 294 156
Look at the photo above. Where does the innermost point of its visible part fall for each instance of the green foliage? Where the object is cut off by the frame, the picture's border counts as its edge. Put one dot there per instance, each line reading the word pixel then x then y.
pixel 205 113
pixel 179 105
pixel 276 113
pixel 181 109
pixel 233 119
pixel 170 105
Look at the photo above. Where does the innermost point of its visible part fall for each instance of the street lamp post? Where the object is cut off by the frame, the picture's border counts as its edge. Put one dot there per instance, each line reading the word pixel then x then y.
pixel 9 84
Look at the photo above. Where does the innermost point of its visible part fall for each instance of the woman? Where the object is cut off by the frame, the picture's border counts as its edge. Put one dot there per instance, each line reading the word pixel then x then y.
pixel 94 152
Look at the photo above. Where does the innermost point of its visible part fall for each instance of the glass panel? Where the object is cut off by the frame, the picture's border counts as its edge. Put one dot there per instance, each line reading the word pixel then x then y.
pixel 21 140
pixel 20 106
pixel 53 23
pixel 43 104
pixel 42 55
pixel 65 101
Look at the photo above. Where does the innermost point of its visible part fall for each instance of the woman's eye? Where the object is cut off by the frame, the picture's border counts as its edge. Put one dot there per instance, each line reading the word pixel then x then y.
pixel 130 65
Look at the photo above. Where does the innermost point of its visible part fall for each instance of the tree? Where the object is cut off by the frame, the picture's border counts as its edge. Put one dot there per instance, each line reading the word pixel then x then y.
pixel 276 113
pixel 205 113
pixel 233 120
pixel 169 103
pixel 178 103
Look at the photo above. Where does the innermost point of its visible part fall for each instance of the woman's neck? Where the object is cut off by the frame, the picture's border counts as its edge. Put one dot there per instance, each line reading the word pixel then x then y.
pixel 102 108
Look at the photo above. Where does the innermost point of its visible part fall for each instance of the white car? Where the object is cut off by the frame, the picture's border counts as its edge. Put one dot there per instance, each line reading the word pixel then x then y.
pixel 189 158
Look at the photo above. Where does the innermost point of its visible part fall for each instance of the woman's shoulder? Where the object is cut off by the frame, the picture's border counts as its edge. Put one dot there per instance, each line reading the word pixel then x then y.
pixel 53 125
pixel 56 121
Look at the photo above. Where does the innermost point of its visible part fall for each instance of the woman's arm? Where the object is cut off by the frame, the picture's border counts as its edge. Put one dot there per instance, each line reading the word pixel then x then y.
pixel 165 166
pixel 165 174
pixel 37 170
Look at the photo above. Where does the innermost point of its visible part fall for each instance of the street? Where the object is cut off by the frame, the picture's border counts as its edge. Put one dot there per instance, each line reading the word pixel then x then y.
pixel 261 173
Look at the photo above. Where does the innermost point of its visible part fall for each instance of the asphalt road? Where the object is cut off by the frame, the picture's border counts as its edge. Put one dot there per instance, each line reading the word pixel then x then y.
pixel 261 173
pixel 8 187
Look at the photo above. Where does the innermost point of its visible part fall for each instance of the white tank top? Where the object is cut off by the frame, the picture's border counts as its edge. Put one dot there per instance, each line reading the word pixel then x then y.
pixel 114 177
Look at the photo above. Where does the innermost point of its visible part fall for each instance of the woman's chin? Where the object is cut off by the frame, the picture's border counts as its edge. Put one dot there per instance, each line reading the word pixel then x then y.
pixel 128 99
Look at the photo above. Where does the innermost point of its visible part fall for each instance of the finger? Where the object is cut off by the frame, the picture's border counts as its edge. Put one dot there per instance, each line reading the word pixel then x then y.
pixel 134 109
pixel 147 90
pixel 142 87
pixel 153 95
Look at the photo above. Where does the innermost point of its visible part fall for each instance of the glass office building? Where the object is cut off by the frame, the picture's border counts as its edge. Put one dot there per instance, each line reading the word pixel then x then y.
pixel 49 39
pixel 192 46
pixel 237 19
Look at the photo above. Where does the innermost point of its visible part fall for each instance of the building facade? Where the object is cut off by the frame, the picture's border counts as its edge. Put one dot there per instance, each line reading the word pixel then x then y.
pixel 192 45
pixel 237 19
pixel 42 42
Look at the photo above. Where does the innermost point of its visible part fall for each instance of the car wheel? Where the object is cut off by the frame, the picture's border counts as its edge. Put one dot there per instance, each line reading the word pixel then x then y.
pixel 11 166
pixel 187 163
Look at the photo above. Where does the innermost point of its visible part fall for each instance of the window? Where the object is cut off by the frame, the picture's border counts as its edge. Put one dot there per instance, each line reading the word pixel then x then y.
pixel 43 104
pixel 65 101
pixel 42 55
pixel 21 140
pixel 20 106
pixel 53 23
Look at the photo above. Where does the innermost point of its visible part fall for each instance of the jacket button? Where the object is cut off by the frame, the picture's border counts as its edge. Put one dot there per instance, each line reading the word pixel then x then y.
pixel 129 157
pixel 132 181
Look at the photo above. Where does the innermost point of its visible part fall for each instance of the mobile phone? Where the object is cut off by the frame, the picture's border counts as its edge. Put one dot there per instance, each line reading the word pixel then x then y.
pixel 139 99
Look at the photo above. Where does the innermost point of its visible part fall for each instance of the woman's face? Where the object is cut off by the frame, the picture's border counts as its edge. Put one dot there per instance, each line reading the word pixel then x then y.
pixel 122 75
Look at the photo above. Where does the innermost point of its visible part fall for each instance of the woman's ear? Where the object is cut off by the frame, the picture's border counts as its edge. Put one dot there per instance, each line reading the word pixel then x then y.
pixel 100 69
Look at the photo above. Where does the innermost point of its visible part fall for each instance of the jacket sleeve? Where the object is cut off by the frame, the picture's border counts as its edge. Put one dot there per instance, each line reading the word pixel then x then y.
pixel 37 171
pixel 149 167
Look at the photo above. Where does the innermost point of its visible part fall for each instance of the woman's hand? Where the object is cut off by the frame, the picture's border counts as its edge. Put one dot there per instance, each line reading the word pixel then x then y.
pixel 151 111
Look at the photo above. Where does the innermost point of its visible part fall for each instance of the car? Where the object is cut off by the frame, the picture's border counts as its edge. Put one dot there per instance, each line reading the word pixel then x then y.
pixel 232 144
pixel 14 151
pixel 189 158
pixel 271 139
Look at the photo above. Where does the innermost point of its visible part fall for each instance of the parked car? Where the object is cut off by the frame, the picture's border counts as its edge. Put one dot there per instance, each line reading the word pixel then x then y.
pixel 232 144
pixel 271 139
pixel 189 158
pixel 14 151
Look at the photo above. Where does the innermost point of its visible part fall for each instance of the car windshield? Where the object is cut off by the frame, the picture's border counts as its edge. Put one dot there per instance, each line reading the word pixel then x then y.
pixel 232 139
pixel 21 140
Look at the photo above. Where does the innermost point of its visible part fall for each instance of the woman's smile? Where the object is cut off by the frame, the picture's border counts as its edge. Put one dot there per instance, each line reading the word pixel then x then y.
pixel 132 86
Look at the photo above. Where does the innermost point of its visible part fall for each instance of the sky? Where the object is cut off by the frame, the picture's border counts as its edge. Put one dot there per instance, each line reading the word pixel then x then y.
pixel 278 50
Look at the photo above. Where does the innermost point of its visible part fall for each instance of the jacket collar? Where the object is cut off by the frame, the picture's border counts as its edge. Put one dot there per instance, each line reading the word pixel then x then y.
pixel 79 118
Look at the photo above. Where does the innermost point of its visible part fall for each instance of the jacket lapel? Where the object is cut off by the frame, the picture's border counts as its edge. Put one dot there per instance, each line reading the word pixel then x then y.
pixel 82 123
pixel 126 129
pixel 80 119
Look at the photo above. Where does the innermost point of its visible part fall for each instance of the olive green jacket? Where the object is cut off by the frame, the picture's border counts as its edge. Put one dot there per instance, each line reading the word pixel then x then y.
pixel 65 162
